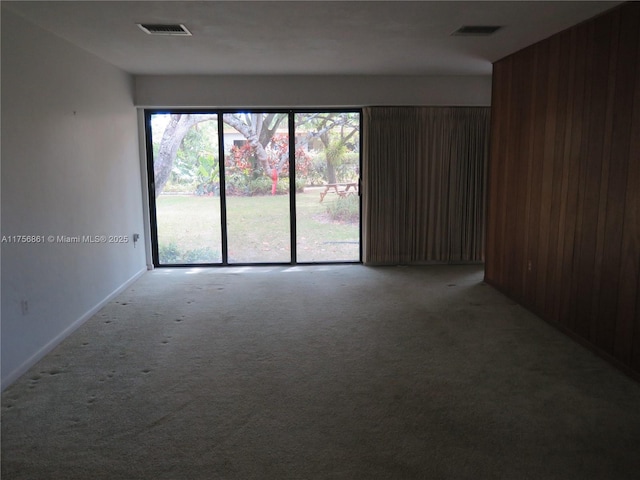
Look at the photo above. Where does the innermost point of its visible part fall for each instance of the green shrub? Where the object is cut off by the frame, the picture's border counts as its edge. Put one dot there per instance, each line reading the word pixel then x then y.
pixel 260 186
pixel 345 209
pixel 208 189
pixel 171 254
pixel 237 184
pixel 283 186
pixel 200 255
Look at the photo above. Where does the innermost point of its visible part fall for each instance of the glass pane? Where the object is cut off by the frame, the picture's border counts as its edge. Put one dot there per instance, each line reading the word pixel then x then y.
pixel 256 147
pixel 327 196
pixel 185 162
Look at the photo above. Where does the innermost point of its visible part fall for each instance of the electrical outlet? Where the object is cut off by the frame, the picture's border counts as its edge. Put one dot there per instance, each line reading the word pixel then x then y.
pixel 24 307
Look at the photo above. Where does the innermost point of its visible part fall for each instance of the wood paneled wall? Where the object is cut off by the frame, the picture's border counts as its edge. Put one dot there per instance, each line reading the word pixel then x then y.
pixel 563 232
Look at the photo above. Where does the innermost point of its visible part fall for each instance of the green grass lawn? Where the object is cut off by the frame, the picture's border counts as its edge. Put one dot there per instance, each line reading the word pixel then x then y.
pixel 189 229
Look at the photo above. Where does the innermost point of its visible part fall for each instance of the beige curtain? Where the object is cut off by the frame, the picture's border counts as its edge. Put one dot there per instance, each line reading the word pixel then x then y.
pixel 424 176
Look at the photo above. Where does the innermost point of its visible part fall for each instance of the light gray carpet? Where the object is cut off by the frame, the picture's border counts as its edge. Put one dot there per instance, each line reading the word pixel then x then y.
pixel 336 372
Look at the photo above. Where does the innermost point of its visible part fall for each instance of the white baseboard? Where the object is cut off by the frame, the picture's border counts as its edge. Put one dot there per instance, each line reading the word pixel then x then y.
pixel 36 357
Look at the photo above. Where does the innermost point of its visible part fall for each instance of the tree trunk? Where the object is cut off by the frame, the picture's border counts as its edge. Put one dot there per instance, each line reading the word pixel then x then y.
pixel 253 139
pixel 176 130
pixel 331 169
pixel 331 173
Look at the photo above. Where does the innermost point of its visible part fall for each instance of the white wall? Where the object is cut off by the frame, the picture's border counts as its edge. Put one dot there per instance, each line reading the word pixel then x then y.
pixel 70 166
pixel 310 91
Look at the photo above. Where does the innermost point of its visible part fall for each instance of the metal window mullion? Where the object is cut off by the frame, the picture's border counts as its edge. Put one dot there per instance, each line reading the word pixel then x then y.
pixel 292 187
pixel 360 198
pixel 155 255
pixel 223 189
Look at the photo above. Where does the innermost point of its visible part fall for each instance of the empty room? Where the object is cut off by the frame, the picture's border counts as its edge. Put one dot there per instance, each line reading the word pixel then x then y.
pixel 320 240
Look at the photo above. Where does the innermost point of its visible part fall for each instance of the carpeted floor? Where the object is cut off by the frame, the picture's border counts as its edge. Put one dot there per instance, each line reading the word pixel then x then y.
pixel 322 372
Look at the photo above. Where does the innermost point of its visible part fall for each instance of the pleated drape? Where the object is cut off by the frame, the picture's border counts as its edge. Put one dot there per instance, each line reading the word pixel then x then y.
pixel 424 177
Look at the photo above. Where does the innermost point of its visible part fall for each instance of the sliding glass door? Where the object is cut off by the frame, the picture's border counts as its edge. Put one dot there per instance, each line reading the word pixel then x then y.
pixel 228 187
pixel 256 174
pixel 328 200
pixel 186 177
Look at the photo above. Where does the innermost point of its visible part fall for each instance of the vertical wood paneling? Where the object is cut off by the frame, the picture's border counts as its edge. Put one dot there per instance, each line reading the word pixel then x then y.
pixel 551 285
pixel 493 175
pixel 501 173
pixel 566 316
pixel 608 208
pixel 627 339
pixel 563 173
pixel 549 140
pixel 538 106
pixel 620 157
pixel 512 220
pixel 564 179
pixel 592 156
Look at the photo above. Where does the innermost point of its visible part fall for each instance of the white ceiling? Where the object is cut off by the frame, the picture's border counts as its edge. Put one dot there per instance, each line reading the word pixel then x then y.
pixel 305 37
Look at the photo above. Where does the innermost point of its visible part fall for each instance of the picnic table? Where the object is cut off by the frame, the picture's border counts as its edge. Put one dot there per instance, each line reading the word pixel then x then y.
pixel 341 189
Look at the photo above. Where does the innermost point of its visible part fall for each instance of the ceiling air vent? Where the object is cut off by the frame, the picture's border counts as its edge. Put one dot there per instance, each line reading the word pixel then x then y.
pixel 477 30
pixel 155 29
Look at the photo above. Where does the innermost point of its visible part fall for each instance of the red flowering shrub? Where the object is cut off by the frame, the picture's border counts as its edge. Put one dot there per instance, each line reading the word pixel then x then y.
pixel 243 170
